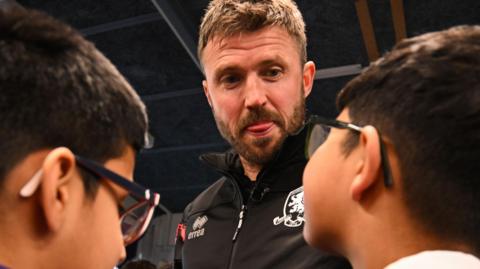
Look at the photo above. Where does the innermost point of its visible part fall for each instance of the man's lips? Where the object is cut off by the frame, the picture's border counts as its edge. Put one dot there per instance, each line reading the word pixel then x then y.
pixel 259 128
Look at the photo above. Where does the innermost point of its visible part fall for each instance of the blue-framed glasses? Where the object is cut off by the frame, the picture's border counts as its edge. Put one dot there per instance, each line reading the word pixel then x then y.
pixel 319 129
pixel 136 208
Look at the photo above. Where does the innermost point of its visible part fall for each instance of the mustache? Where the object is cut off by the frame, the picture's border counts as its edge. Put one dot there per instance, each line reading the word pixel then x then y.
pixel 259 114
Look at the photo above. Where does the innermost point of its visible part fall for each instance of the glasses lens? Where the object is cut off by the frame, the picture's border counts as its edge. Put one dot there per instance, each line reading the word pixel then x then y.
pixel 318 134
pixel 134 218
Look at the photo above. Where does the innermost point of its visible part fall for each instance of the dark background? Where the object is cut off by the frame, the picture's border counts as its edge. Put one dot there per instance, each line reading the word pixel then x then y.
pixel 146 46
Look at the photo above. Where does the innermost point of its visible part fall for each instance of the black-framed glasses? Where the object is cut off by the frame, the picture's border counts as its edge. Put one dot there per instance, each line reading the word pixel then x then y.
pixel 136 208
pixel 319 129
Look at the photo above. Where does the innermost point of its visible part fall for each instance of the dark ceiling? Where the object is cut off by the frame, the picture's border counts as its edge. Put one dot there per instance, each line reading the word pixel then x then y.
pixel 150 41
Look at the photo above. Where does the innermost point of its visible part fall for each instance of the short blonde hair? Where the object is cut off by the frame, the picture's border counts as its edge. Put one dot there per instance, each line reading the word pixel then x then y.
pixel 226 18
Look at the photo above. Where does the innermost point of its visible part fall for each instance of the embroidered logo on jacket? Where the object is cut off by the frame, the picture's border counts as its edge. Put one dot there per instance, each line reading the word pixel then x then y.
pixel 292 210
pixel 197 229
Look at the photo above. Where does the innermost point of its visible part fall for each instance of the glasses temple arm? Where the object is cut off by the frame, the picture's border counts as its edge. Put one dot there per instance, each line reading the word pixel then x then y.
pixel 134 188
pixel 32 185
pixel 387 173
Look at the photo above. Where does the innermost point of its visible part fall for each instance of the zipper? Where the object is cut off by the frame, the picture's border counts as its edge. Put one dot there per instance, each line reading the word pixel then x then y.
pixel 241 216
pixel 240 222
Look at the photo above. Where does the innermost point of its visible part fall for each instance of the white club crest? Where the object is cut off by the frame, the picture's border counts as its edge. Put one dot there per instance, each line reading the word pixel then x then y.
pixel 292 210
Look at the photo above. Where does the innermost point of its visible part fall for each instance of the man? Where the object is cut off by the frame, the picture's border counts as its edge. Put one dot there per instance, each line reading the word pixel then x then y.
pixel 398 175
pixel 70 126
pixel 257 78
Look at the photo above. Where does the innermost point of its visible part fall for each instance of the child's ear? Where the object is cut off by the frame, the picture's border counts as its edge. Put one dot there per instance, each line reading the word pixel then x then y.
pixel 369 165
pixel 58 170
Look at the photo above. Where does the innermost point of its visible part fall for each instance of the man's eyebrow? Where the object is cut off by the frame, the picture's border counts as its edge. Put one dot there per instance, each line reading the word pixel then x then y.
pixel 229 68
pixel 275 61
pixel 225 69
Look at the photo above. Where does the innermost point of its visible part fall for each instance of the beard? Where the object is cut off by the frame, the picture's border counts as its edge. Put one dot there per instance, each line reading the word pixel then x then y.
pixel 262 150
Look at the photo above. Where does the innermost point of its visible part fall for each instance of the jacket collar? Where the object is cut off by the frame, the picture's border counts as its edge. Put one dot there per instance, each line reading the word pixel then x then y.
pixel 287 163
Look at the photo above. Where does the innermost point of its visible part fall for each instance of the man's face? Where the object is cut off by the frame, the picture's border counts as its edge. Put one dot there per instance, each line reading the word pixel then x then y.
pixel 326 190
pixel 256 86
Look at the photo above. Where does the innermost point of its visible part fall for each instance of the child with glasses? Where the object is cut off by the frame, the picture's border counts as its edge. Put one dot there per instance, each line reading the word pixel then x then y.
pixel 397 171
pixel 70 126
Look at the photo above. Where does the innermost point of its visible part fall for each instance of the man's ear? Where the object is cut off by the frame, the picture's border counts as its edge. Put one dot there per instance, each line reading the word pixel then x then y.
pixel 308 77
pixel 58 170
pixel 369 165
pixel 207 93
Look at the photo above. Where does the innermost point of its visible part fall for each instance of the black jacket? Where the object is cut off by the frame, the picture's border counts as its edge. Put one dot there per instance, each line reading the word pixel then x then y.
pixel 213 233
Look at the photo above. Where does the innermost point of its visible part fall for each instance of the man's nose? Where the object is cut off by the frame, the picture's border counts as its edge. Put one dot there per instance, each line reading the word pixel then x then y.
pixel 255 92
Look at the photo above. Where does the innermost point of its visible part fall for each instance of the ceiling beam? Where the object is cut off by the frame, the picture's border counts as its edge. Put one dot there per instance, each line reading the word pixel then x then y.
pixel 367 29
pixel 398 16
pixel 115 25
pixel 339 71
pixel 181 26
pixel 171 94
pixel 184 148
